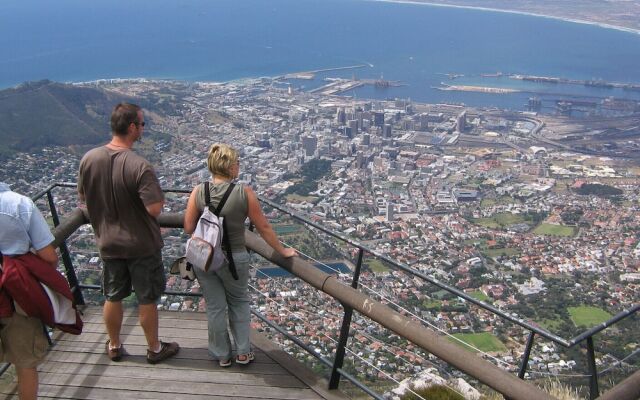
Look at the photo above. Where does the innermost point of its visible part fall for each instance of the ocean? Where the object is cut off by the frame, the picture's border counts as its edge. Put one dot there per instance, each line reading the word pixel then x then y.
pixel 419 46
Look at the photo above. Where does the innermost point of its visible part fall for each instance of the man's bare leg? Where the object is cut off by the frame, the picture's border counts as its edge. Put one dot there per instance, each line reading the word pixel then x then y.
pixel 112 314
pixel 27 383
pixel 148 315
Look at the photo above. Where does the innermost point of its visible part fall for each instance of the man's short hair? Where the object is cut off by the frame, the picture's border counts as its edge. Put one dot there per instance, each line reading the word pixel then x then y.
pixel 122 116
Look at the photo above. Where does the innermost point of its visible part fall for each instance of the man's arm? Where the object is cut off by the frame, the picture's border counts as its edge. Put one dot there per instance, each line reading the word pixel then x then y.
pixel 155 209
pixel 48 253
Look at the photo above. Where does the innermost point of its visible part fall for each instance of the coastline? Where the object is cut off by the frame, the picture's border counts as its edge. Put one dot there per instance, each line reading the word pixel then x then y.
pixel 531 14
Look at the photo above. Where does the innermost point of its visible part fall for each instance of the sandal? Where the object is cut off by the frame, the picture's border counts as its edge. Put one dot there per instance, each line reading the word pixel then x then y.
pixel 245 359
pixel 225 363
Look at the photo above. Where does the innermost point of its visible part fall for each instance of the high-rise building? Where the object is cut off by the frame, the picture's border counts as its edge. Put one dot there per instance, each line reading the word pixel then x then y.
pixel 353 124
pixel 378 119
pixel 341 116
pixel 461 121
pixel 390 215
pixel 366 139
pixel 309 144
pixel 386 131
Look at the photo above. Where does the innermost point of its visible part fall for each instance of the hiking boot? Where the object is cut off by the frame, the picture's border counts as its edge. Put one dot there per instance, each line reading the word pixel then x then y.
pixel 114 354
pixel 166 350
pixel 245 359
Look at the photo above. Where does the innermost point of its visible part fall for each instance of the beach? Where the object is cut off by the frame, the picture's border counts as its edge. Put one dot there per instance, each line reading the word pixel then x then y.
pixel 519 12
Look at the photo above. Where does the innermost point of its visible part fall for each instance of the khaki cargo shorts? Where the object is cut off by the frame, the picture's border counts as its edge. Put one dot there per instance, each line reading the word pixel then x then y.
pixel 22 341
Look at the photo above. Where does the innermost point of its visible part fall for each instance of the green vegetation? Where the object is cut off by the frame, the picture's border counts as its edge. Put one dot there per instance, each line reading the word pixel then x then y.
pixel 484 341
pixel 599 190
pixel 435 392
pixel 478 295
pixel 555 230
pixel 505 220
pixel 311 172
pixel 431 304
pixel 484 203
pixel 553 325
pixel 294 198
pixel 588 316
pixel 508 251
pixel 377 266
pixel 286 229
pixel 57 114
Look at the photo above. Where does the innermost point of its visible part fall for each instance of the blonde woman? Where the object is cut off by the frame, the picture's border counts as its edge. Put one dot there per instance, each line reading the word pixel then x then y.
pixel 221 291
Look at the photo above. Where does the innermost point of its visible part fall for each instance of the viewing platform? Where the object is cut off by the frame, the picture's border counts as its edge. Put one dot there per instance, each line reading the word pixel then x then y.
pixel 77 367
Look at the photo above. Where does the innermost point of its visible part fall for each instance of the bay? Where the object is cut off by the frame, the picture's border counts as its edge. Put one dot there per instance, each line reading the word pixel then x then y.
pixel 202 40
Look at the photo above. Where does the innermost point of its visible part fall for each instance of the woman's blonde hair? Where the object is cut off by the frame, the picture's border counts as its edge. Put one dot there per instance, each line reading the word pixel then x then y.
pixel 221 158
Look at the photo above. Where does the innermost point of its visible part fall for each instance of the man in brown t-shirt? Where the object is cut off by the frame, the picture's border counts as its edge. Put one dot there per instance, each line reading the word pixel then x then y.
pixel 123 199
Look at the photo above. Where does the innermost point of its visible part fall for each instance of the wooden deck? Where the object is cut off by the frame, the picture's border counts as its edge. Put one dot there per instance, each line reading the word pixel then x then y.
pixel 77 367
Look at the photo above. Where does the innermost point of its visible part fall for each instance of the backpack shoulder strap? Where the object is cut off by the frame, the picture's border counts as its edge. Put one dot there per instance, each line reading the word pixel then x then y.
pixel 207 195
pixel 224 199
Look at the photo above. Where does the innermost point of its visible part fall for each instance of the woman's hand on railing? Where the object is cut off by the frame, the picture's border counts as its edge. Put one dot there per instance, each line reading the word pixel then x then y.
pixel 288 252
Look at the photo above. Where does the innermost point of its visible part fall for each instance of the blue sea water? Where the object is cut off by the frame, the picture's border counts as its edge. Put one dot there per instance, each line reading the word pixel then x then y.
pixel 204 40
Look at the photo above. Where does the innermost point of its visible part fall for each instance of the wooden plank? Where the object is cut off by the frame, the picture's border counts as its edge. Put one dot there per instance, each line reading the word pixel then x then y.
pixel 82 393
pixel 102 359
pixel 185 352
pixel 214 376
pixel 133 385
pixel 90 312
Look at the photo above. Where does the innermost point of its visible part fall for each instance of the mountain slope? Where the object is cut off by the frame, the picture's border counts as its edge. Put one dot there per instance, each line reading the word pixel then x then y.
pixel 39 114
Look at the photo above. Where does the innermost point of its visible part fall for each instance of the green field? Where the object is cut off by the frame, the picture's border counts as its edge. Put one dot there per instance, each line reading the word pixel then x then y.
pixel 554 230
pixel 500 220
pixel 484 341
pixel 286 229
pixel 296 198
pixel 551 324
pixel 508 251
pixel 478 295
pixel 432 304
pixel 377 266
pixel 588 316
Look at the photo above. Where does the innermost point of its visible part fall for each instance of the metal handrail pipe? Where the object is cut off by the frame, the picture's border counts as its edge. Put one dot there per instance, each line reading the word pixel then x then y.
pixel 68 225
pixel 542 332
pixel 628 389
pixel 41 193
pixel 596 329
pixel 482 370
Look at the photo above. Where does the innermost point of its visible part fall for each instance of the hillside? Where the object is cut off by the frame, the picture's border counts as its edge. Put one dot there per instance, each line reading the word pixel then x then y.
pixel 39 114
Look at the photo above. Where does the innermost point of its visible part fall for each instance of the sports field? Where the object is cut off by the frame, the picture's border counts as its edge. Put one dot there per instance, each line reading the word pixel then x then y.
pixel 554 230
pixel 484 341
pixel 588 316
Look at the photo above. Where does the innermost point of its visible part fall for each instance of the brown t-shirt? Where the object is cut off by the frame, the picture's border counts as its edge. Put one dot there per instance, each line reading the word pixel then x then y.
pixel 117 185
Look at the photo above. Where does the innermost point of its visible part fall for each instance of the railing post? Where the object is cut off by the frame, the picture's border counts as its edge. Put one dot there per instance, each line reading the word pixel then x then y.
pixel 591 360
pixel 344 329
pixel 66 258
pixel 525 356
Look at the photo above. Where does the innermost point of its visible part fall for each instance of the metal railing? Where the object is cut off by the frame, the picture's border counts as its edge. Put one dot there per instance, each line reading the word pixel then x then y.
pixel 351 299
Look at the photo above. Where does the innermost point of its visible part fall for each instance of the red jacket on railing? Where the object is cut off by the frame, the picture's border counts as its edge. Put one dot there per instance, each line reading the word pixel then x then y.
pixel 40 290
